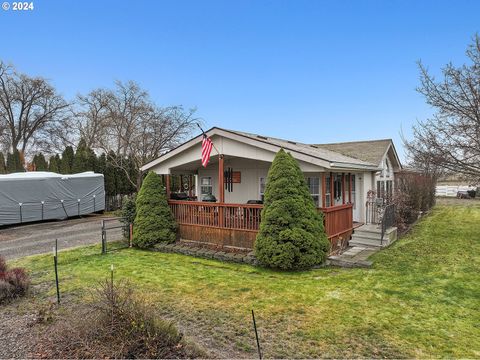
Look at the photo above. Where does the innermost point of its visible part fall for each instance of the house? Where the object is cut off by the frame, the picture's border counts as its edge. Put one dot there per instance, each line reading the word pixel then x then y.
pixel 338 175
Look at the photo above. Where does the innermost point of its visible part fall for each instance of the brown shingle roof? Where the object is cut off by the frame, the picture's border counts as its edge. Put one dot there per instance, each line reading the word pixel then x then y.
pixel 371 151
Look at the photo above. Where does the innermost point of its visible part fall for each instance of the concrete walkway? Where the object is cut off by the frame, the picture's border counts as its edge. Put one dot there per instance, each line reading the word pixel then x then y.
pixel 355 256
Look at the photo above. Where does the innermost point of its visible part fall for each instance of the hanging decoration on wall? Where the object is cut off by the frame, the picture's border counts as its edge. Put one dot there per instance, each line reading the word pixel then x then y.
pixel 228 176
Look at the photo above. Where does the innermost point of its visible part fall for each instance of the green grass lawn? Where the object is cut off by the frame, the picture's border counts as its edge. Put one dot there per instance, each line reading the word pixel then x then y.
pixel 420 299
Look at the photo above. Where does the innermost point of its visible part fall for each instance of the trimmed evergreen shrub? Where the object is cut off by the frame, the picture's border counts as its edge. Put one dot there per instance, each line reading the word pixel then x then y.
pixel 128 210
pixel 292 235
pixel 154 222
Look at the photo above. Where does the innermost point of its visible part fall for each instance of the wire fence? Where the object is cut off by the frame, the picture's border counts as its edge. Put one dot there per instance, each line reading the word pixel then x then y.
pixel 118 230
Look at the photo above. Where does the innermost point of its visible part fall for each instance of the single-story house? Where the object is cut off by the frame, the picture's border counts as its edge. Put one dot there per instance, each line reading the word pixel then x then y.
pixel 338 175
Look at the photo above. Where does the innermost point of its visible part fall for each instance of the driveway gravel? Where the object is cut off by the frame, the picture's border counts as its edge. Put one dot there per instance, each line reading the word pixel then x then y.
pixel 39 238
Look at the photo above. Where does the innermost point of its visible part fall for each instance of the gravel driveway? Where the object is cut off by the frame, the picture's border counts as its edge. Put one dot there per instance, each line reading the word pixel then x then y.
pixel 38 238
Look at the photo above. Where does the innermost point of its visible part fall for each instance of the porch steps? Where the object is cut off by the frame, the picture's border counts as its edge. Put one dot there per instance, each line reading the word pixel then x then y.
pixel 369 236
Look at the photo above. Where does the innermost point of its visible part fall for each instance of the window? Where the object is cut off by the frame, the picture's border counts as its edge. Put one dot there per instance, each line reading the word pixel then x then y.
pixel 380 189
pixel 313 184
pixel 263 183
pixel 328 196
pixel 389 190
pixel 337 187
pixel 206 185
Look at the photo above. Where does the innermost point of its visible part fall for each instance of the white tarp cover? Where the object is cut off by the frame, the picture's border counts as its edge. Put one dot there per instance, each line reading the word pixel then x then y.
pixel 38 195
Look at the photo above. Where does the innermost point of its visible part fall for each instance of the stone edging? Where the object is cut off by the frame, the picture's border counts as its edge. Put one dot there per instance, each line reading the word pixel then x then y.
pixel 207 253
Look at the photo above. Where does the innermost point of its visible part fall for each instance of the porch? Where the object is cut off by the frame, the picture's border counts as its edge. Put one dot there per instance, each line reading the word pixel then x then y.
pixel 236 225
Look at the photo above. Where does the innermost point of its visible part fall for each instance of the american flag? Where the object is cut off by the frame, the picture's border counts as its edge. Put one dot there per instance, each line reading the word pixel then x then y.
pixel 206 150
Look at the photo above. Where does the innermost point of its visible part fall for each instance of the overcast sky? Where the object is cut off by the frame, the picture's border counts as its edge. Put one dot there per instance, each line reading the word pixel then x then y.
pixel 311 71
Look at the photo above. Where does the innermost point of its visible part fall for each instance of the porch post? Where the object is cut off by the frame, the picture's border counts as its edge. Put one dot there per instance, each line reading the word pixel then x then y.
pixel 221 190
pixel 343 188
pixel 349 188
pixel 324 189
pixel 221 182
pixel 167 185
pixel 332 197
pixel 190 186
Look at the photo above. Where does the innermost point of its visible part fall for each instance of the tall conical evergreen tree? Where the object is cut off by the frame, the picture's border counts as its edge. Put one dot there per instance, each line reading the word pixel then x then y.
pixel 110 175
pixel 14 162
pixel 291 233
pixel 40 163
pixel 154 222
pixel 84 159
pixel 54 163
pixel 3 165
pixel 66 165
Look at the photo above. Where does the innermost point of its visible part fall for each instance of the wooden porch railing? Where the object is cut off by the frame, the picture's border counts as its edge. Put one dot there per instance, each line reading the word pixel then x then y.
pixel 246 217
pixel 338 220
pixel 229 216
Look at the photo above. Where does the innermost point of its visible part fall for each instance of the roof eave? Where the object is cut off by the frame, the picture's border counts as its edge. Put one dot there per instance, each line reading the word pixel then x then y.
pixel 339 165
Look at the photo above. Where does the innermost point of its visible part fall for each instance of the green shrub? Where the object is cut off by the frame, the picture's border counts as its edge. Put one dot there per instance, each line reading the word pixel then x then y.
pixel 154 222
pixel 291 233
pixel 128 210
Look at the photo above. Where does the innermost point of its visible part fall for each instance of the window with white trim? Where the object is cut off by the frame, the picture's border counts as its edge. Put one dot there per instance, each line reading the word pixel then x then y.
pixel 206 185
pixel 262 184
pixel 313 184
pixel 328 195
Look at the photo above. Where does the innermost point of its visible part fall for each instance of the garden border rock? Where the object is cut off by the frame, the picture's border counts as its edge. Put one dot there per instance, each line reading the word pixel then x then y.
pixel 206 253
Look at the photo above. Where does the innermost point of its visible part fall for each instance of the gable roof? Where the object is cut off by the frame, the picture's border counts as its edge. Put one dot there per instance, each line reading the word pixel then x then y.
pixel 328 154
pixel 308 149
pixel 371 151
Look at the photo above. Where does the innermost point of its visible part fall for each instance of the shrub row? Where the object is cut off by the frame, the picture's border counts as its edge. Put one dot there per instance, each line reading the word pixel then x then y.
pixel 414 193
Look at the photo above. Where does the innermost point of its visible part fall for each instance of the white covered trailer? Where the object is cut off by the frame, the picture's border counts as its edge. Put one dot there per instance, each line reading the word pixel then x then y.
pixel 36 196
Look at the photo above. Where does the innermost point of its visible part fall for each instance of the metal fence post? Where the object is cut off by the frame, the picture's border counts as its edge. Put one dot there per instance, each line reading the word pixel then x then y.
pixel 256 336
pixel 131 235
pixel 104 245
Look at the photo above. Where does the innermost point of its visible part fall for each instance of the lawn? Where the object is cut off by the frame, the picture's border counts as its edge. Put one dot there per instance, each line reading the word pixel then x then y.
pixel 420 299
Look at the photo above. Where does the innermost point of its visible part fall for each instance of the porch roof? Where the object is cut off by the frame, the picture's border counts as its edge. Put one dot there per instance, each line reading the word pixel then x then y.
pixel 305 152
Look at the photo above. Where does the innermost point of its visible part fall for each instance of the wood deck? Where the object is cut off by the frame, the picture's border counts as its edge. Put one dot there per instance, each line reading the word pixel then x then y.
pixel 237 225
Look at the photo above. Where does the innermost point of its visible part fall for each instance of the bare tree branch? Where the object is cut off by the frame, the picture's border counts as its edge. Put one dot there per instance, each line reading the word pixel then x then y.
pixel 450 140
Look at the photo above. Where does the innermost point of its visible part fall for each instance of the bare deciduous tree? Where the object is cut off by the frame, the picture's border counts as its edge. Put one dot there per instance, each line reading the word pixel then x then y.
pixel 125 122
pixel 91 117
pixel 450 140
pixel 29 109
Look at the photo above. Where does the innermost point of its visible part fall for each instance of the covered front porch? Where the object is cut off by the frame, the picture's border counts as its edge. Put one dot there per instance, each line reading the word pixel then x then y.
pixel 230 215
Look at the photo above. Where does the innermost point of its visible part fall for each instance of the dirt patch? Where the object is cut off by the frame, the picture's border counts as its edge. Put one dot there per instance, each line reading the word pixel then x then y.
pixel 17 330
